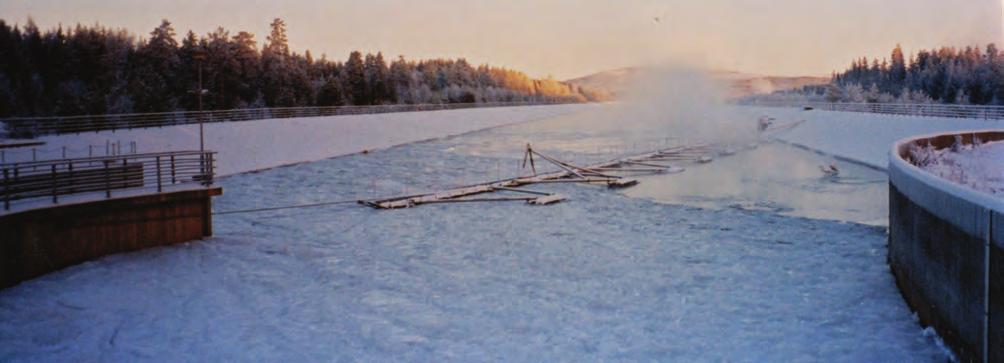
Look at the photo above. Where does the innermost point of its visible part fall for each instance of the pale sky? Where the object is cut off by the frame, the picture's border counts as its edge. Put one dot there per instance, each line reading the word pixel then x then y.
pixel 567 38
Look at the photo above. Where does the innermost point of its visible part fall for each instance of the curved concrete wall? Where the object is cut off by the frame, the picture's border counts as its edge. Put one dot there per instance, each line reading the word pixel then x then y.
pixel 945 249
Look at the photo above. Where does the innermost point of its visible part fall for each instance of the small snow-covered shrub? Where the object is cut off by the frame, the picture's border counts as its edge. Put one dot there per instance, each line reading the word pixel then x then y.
pixel 978 165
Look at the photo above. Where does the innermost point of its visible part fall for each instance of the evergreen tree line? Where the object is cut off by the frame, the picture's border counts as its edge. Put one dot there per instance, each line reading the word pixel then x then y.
pixel 98 70
pixel 946 75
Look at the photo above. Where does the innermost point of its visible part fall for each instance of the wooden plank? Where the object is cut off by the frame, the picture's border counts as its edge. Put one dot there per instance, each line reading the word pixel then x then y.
pixel 522 191
pixel 471 200
pixel 550 199
pixel 622 183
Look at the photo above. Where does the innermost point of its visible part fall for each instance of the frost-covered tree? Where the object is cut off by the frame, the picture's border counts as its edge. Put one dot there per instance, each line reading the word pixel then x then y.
pixel 153 75
pixel 897 69
pixel 948 75
pixel 277 42
pixel 96 70
pixel 834 93
pixel 355 79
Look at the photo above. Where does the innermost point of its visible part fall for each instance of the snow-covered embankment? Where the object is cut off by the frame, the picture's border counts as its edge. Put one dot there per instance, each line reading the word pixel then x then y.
pixel 262 144
pixel 862 137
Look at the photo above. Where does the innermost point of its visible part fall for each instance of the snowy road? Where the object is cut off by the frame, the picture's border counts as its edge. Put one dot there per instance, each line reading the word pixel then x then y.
pixel 600 277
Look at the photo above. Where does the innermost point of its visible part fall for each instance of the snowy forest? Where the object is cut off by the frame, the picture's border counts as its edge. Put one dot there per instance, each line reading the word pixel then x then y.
pixel 98 70
pixel 947 75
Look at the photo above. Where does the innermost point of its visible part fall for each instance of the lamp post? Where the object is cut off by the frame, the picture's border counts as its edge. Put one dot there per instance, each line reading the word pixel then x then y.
pixel 199 56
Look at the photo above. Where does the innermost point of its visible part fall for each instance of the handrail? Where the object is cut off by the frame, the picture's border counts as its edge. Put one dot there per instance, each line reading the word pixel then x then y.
pixel 148 171
pixel 100 158
pixel 986 112
pixel 55 125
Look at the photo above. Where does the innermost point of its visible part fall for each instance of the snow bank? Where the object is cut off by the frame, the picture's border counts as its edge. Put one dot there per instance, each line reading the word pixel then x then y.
pixel 261 144
pixel 862 137
pixel 978 166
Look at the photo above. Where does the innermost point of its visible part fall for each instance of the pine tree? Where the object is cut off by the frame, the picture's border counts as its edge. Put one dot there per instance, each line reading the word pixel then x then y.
pixel 277 42
pixel 331 92
pixel 897 70
pixel 377 84
pixel 155 70
pixel 276 68
pixel 355 79
pixel 400 80
pixel 247 61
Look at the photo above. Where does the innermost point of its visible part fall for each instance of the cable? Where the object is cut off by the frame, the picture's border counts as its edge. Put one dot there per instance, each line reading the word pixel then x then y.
pixel 321 204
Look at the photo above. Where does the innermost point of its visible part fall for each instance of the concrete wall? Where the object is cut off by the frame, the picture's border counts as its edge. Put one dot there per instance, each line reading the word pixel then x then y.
pixel 39 241
pixel 946 249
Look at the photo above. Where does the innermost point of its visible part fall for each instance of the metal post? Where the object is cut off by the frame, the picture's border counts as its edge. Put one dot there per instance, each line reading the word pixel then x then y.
pixel 202 166
pixel 202 146
pixel 159 189
pixel 54 187
pixel 986 285
pixel 90 150
pixel 108 180
pixel 33 158
pixel 173 179
pixel 207 171
pixel 6 190
pixel 69 175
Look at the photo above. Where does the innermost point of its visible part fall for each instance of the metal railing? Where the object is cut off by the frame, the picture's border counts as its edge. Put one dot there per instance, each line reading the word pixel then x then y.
pixel 37 126
pixel 910 109
pixel 36 153
pixel 105 174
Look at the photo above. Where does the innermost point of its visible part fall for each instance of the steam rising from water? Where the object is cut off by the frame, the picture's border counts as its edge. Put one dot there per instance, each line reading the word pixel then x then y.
pixel 684 102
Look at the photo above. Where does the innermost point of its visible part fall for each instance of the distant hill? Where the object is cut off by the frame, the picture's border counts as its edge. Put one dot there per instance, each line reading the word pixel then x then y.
pixel 617 81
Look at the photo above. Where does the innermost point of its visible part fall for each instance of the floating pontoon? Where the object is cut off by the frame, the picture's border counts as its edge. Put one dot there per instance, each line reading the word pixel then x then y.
pixel 614 174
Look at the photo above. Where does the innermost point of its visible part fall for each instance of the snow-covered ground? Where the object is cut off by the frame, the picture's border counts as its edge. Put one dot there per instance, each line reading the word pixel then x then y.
pixel 863 137
pixel 600 277
pixel 978 166
pixel 254 145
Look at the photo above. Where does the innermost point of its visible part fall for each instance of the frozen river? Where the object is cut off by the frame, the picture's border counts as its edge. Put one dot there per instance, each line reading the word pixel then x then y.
pixel 713 264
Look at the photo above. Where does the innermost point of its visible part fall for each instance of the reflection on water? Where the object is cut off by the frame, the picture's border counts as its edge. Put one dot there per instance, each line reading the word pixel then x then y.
pixel 778 178
pixel 772 177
